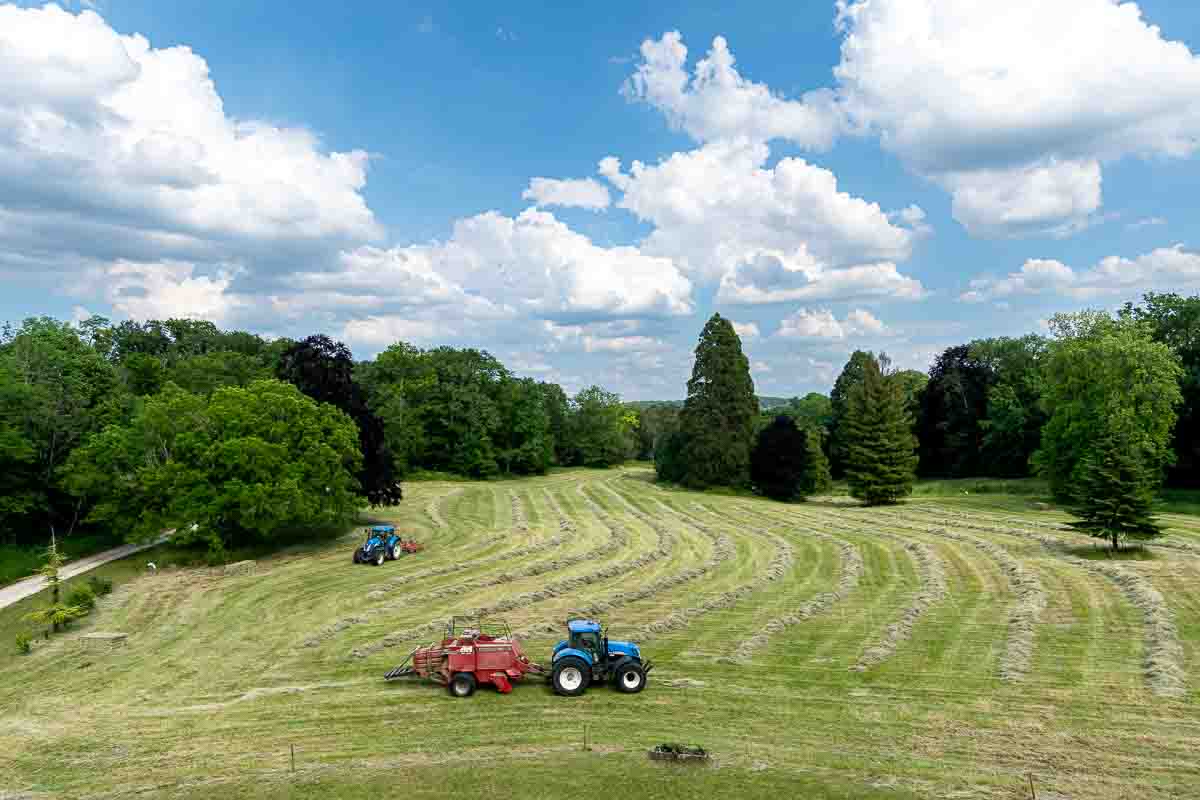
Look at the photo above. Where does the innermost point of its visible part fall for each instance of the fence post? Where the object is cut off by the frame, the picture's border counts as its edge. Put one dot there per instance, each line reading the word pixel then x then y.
pixel 293 758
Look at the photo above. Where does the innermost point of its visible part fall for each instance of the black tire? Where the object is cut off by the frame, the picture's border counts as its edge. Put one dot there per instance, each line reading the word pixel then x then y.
pixel 571 676
pixel 379 557
pixel 358 555
pixel 395 551
pixel 462 684
pixel 630 678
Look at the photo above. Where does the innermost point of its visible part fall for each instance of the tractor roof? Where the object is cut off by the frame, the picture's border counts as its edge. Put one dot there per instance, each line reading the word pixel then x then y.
pixel 583 626
pixel 383 528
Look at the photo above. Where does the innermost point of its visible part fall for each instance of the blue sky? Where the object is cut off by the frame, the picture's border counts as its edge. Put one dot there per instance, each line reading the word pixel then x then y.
pixel 900 175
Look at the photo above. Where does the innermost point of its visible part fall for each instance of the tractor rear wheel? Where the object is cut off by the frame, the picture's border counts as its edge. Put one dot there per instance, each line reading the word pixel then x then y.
pixel 462 684
pixel 630 678
pixel 571 676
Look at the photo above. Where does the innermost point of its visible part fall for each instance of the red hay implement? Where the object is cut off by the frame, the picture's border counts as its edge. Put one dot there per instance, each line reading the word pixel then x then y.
pixel 472 653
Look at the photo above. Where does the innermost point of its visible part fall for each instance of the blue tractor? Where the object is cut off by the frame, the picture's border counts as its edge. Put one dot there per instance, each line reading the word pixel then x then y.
pixel 383 544
pixel 589 656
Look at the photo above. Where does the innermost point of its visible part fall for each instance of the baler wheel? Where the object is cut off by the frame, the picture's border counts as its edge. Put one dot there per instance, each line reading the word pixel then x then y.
pixel 571 676
pixel 462 684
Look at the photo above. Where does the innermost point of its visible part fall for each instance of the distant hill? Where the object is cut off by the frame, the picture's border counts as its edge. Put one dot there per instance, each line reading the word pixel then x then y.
pixel 765 403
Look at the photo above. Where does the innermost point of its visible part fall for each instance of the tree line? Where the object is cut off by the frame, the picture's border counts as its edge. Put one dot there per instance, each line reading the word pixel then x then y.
pixel 228 437
pixel 1104 409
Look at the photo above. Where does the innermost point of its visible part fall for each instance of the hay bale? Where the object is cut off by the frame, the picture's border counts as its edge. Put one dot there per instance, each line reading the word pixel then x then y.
pixel 103 641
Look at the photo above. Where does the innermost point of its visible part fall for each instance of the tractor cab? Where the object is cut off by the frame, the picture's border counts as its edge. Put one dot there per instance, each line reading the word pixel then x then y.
pixel 589 637
pixel 587 656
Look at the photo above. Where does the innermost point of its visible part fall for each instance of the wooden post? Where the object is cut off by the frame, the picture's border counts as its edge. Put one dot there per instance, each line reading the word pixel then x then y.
pixel 1032 791
pixel 293 758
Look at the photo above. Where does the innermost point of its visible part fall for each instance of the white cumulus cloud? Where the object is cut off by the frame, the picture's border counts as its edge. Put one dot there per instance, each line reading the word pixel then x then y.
pixel 822 324
pixel 571 193
pixel 1163 269
pixel 719 207
pixel 1014 106
pixel 716 102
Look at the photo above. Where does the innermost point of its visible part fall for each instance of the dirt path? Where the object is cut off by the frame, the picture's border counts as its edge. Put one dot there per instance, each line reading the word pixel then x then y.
pixel 30 586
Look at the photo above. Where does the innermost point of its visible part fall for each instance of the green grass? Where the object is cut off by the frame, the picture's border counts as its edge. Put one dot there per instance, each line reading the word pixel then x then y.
pixel 219 680
pixel 21 561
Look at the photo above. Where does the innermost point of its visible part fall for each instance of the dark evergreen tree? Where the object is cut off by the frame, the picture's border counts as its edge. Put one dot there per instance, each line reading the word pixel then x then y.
pixel 324 370
pixel 850 376
pixel 880 447
pixel 816 478
pixel 668 457
pixel 1115 489
pixel 717 420
pixel 779 460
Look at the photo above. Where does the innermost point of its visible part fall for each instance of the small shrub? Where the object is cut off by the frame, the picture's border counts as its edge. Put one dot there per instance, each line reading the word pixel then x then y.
pixel 100 586
pixel 24 642
pixel 83 597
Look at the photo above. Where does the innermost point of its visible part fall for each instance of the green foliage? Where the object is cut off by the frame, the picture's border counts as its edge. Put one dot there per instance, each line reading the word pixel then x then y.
pixel 655 423
pixel 82 597
pixel 205 373
pixel 779 460
pixel 242 465
pixel 879 444
pixel 839 404
pixel 24 642
pixel 1175 321
pixel 56 616
pixel 55 390
pixel 717 420
pixel 815 479
pixel 523 442
pixel 144 374
pixel 669 457
pixel 1116 483
pixel 1013 425
pixel 596 429
pixel 1099 371
pixel 324 370
pixel 953 406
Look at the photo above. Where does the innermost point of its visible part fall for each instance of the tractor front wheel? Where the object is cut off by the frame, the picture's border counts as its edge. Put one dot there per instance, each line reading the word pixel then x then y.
pixel 462 684
pixel 379 558
pixel 631 679
pixel 395 551
pixel 571 676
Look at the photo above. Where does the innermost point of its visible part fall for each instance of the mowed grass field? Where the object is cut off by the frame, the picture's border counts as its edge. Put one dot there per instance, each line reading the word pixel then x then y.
pixel 949 647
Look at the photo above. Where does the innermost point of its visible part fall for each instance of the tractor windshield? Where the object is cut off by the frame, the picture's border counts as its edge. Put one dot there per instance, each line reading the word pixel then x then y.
pixel 588 640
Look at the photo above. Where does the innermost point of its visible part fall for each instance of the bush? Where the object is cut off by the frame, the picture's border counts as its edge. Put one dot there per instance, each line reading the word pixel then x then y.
pixel 24 642
pixel 100 586
pixel 82 597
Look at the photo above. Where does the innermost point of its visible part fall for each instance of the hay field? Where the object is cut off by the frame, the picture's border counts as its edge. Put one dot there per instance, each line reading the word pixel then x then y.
pixel 948 647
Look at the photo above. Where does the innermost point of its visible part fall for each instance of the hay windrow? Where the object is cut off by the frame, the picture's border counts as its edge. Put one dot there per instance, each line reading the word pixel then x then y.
pixel 1026 609
pixel 519 521
pixel 933 590
pixel 557 588
pixel 433 507
pixel 852 570
pixel 1164 654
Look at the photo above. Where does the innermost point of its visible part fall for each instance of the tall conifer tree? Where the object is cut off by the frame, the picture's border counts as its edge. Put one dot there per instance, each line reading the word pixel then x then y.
pixel 815 478
pixel 880 448
pixel 717 421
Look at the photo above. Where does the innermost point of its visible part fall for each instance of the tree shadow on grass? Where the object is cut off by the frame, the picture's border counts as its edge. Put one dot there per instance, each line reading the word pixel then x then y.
pixel 1104 552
